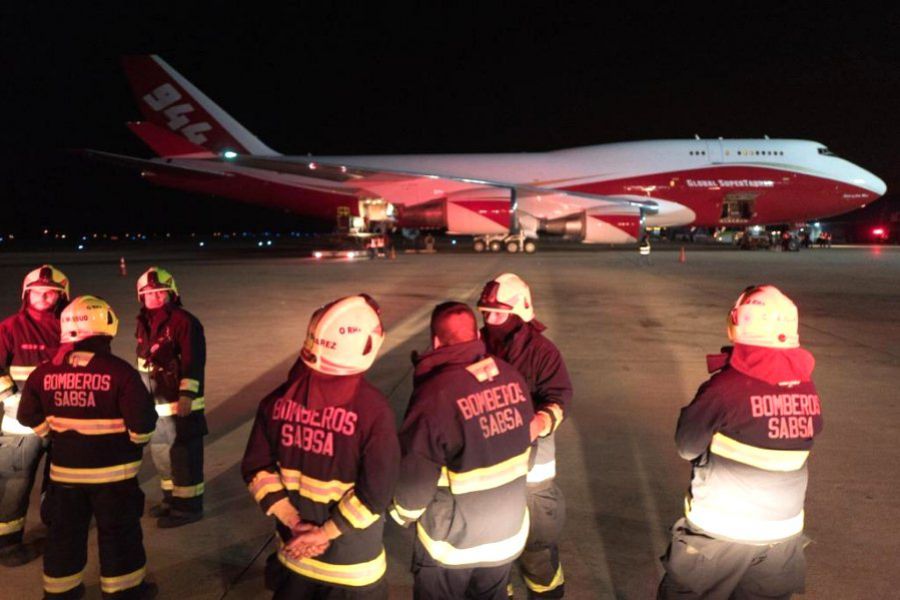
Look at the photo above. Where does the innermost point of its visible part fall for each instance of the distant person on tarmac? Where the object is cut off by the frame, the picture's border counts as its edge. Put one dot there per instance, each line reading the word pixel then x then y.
pixel 512 334
pixel 28 338
pixel 748 434
pixel 171 356
pixel 644 250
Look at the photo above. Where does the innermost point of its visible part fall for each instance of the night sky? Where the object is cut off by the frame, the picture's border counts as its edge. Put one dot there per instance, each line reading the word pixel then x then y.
pixel 467 79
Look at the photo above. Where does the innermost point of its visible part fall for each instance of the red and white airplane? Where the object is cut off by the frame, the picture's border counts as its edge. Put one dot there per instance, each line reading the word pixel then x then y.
pixel 594 194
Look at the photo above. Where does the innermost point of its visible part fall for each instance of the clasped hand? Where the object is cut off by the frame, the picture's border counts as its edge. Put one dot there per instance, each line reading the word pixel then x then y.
pixel 309 541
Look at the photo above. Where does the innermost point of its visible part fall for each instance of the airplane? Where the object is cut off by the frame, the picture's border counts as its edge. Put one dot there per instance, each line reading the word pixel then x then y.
pixel 595 194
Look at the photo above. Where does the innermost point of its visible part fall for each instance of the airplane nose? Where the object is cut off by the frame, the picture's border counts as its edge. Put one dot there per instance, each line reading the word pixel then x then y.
pixel 868 181
pixel 876 185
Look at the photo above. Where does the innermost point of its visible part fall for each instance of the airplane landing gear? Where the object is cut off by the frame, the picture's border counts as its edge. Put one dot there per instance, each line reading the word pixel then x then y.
pixel 512 243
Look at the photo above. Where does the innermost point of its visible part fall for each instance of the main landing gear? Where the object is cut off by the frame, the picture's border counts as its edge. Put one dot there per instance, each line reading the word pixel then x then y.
pixel 512 243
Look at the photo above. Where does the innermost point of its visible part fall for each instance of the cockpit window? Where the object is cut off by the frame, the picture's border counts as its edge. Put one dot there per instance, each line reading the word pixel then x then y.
pixel 826 152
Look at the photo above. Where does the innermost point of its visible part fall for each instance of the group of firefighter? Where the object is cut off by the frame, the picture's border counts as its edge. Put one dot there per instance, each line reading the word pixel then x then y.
pixel 472 467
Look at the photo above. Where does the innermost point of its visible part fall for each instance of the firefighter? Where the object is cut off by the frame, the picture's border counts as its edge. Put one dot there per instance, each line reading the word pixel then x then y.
pixel 27 339
pixel 96 411
pixel 171 356
pixel 323 457
pixel 513 334
pixel 748 433
pixel 466 446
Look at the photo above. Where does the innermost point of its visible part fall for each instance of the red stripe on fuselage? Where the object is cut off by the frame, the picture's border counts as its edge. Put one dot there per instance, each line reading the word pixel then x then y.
pixel 495 210
pixel 791 197
pixel 627 223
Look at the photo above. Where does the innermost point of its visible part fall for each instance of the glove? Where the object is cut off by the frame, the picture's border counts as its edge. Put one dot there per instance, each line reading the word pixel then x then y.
pixel 184 406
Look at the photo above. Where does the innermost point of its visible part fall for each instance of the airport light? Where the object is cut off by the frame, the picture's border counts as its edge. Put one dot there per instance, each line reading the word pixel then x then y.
pixel 317 255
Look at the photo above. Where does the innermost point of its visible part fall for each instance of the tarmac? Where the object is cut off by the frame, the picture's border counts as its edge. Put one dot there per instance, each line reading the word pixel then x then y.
pixel 634 337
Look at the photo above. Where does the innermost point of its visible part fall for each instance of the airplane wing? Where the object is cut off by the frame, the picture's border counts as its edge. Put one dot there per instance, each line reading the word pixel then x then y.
pixel 422 200
pixel 157 165
pixel 403 186
pixel 471 206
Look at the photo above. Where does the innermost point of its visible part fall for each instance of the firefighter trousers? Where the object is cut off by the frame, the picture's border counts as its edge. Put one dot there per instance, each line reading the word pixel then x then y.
pixel 436 582
pixel 540 565
pixel 177 451
pixel 117 507
pixel 20 456
pixel 294 586
pixel 698 566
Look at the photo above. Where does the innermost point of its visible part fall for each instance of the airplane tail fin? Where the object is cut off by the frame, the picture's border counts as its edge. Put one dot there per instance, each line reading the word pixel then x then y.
pixel 166 143
pixel 172 102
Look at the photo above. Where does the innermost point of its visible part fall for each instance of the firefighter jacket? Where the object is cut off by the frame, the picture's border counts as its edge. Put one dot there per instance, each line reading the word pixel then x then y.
pixel 749 431
pixel 542 366
pixel 466 448
pixel 27 339
pixel 329 445
pixel 171 356
pixel 94 408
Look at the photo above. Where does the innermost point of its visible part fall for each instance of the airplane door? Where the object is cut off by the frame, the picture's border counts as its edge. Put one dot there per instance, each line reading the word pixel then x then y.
pixel 714 151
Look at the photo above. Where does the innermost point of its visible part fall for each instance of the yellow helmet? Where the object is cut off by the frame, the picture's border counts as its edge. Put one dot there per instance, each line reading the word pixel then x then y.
pixel 87 316
pixel 763 316
pixel 155 279
pixel 507 293
pixel 46 277
pixel 343 337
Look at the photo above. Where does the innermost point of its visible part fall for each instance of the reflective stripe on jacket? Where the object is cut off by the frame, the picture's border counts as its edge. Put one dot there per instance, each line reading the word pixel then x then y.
pixel 96 411
pixel 466 452
pixel 749 439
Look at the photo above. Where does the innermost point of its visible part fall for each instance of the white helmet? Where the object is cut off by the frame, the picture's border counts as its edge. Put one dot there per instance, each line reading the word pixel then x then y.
pixel 87 316
pixel 763 316
pixel 46 277
pixel 155 279
pixel 507 293
pixel 343 337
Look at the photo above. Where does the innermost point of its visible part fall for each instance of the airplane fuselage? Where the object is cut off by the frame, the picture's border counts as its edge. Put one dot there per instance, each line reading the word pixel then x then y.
pixel 597 194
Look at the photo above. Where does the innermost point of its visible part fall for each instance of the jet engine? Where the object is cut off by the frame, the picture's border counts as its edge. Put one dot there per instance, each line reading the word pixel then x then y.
pixel 468 215
pixel 607 225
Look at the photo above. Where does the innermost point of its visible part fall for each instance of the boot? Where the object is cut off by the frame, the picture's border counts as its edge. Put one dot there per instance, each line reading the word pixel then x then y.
pixel 18 555
pixel 177 518
pixel 147 591
pixel 76 593
pixel 160 510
